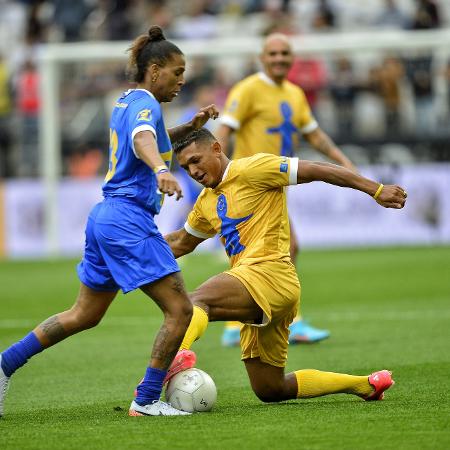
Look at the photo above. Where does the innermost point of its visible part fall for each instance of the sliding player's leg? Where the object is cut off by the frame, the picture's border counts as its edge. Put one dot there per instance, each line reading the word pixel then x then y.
pixel 271 384
pixel 220 298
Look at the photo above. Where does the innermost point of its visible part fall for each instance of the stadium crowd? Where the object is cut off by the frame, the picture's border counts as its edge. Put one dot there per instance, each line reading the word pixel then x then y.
pixel 393 98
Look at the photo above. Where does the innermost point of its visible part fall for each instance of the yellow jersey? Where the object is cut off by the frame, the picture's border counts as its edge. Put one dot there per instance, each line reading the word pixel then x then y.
pixel 248 209
pixel 267 117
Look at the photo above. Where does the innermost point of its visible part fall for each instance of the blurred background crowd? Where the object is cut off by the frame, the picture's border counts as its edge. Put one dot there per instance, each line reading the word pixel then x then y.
pixel 385 107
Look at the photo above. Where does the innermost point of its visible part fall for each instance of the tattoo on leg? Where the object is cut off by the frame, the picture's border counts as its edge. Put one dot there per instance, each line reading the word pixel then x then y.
pixel 160 350
pixel 53 330
pixel 178 284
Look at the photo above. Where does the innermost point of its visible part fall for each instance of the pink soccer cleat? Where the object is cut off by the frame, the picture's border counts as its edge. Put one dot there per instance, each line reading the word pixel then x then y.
pixel 381 381
pixel 184 359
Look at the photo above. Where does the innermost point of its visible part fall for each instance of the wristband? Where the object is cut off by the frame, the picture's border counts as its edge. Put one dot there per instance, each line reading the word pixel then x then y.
pixel 160 169
pixel 377 194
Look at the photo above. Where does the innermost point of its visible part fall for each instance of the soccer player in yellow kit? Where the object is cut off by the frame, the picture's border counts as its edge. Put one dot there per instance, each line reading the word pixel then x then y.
pixel 267 114
pixel 244 201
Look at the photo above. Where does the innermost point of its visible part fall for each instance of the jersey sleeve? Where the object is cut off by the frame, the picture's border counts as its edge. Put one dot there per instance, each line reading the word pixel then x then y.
pixel 270 171
pixel 144 115
pixel 196 224
pixel 237 107
pixel 307 123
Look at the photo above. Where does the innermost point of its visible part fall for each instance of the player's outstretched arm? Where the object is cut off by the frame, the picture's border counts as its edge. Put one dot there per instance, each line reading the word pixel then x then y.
pixel 203 115
pixel 181 242
pixel 389 196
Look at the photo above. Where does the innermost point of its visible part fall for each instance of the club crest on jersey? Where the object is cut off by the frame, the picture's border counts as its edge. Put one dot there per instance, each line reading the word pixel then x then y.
pixel 145 114
pixel 221 203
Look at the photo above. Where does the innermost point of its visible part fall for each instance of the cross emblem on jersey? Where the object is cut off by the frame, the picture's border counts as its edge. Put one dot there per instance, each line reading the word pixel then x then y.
pixel 286 129
pixel 228 229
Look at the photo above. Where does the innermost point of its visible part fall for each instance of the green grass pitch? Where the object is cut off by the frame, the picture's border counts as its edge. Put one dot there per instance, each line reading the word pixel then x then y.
pixel 386 308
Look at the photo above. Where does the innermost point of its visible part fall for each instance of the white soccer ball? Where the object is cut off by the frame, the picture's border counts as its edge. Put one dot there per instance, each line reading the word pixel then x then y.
pixel 191 390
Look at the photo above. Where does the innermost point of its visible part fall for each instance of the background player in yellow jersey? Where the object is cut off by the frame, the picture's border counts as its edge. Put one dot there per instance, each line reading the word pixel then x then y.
pixel 267 113
pixel 244 201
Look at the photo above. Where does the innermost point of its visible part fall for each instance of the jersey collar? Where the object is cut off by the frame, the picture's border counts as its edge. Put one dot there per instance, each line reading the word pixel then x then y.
pixel 225 173
pixel 266 78
pixel 143 90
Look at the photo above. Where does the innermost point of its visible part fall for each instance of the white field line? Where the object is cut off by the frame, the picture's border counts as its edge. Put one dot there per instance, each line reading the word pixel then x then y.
pixel 427 314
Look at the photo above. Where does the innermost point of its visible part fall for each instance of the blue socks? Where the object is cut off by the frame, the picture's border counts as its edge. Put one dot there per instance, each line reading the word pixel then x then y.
pixel 19 353
pixel 151 386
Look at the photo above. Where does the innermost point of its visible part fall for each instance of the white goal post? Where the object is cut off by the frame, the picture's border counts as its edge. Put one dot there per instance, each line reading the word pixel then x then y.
pixel 52 56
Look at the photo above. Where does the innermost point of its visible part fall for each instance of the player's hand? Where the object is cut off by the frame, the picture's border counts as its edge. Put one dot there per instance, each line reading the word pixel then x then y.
pixel 168 184
pixel 206 113
pixel 392 196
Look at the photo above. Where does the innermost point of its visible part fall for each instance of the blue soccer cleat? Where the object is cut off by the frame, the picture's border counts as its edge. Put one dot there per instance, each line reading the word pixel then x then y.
pixel 231 336
pixel 300 331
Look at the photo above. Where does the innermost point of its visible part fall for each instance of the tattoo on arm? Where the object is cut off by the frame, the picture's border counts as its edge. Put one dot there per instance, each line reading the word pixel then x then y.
pixel 53 330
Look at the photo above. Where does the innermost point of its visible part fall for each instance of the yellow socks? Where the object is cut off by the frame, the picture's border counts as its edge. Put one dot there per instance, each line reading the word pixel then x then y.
pixel 314 383
pixel 196 328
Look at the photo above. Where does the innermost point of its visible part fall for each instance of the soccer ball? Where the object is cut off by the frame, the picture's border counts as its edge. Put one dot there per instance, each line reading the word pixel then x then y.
pixel 191 390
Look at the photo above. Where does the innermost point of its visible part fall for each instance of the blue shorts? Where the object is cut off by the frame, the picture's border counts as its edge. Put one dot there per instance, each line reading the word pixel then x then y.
pixel 124 249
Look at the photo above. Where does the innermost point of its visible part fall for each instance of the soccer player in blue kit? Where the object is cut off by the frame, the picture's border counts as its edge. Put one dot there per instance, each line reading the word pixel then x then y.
pixel 124 249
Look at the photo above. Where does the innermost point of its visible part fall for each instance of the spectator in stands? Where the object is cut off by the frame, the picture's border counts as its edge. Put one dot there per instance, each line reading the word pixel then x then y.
pixel 447 78
pixel 427 15
pixel 202 73
pixel 391 16
pixel 325 17
pixel 70 15
pixel 420 74
pixel 86 161
pixel 5 121
pixel 204 95
pixel 385 81
pixel 310 74
pixel 196 23
pixel 343 89
pixel 28 106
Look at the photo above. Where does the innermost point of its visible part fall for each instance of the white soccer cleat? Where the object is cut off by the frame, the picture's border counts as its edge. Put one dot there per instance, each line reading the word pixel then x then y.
pixel 157 408
pixel 4 382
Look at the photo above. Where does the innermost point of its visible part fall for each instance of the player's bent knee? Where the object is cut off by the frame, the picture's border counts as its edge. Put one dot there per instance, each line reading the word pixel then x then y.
pixel 84 322
pixel 269 394
pixel 182 314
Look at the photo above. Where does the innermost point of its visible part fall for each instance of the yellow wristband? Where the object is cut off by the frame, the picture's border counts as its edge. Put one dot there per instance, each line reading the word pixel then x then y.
pixel 158 168
pixel 377 194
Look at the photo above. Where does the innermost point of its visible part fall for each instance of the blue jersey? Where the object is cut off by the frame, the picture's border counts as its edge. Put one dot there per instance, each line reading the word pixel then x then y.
pixel 136 110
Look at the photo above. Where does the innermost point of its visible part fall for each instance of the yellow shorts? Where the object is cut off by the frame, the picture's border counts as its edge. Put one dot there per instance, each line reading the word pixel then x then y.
pixel 275 287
